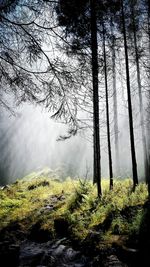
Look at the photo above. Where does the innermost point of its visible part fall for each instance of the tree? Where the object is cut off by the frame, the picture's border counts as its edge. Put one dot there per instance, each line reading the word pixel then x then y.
pixel 146 63
pixel 147 18
pixel 83 30
pixel 115 104
pixel 137 58
pixel 34 74
pixel 107 112
pixel 133 155
pixel 94 45
pixel 27 69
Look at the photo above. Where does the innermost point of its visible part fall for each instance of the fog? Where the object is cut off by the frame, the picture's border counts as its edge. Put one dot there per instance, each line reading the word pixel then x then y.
pixel 28 139
pixel 28 142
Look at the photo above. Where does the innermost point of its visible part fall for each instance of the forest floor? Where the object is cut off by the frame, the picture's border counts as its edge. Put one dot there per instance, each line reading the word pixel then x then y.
pixel 48 222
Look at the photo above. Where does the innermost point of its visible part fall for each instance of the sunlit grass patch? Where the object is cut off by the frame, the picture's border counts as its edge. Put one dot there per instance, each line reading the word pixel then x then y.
pixel 29 200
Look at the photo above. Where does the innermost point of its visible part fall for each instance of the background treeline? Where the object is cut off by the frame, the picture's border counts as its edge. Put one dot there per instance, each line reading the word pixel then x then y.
pixel 72 56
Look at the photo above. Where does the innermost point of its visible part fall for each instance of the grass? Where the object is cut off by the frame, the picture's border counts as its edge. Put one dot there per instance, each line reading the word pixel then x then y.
pixel 118 212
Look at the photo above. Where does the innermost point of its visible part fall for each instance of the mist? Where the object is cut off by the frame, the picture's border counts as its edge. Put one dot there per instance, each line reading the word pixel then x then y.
pixel 28 139
pixel 28 142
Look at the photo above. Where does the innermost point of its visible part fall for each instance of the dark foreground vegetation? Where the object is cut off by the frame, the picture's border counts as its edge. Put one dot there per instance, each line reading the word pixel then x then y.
pixel 48 222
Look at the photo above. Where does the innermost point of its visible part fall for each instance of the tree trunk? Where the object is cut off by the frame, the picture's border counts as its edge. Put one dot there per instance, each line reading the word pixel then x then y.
pixel 133 155
pixel 149 26
pixel 148 154
pixel 94 48
pixel 107 115
pixel 94 160
pixel 140 97
pixel 115 105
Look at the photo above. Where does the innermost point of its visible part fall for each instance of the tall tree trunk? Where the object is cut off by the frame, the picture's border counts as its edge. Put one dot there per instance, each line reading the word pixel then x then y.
pixel 94 48
pixel 147 8
pixel 94 159
pixel 140 96
pixel 115 104
pixel 148 154
pixel 107 115
pixel 149 26
pixel 133 155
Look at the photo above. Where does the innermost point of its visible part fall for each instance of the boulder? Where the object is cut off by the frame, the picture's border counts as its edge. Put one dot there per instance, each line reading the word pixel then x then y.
pixel 31 255
pixel 113 261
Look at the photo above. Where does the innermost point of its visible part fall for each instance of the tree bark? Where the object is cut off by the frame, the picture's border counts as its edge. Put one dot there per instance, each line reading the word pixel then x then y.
pixel 115 105
pixel 148 154
pixel 107 115
pixel 140 97
pixel 133 155
pixel 94 49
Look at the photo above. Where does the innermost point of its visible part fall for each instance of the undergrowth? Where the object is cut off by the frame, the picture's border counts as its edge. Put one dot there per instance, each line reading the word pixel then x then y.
pixel 118 212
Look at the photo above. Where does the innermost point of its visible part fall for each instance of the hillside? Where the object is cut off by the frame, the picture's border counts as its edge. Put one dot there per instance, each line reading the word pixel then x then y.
pixel 39 211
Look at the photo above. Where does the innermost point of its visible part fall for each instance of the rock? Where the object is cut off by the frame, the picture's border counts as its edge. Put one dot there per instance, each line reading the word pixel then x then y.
pixel 67 256
pixel 113 261
pixel 31 254
pixel 54 199
pixel 2 188
pixel 49 260
pixel 49 207
pixel 51 254
pixel 59 242
pixel 46 208
pixel 71 254
pixel 7 187
pixel 77 265
pixel 59 251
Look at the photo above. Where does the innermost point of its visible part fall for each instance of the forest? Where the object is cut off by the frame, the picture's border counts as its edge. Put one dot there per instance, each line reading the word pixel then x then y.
pixel 74 133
